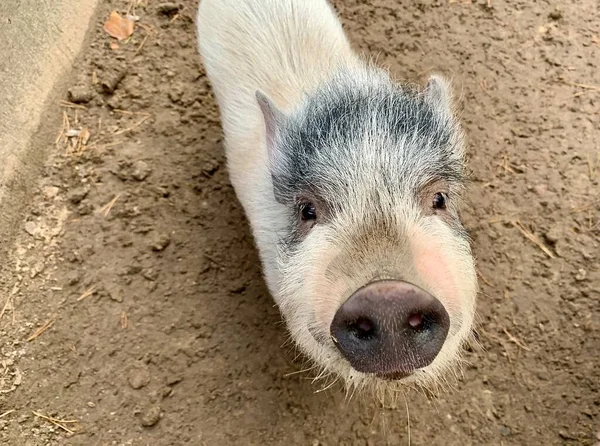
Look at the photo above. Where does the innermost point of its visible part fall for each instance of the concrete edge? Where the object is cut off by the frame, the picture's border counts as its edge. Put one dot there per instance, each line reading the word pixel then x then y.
pixel 43 42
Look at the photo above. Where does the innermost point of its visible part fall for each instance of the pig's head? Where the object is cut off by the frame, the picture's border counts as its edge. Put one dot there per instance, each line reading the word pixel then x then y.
pixel 376 277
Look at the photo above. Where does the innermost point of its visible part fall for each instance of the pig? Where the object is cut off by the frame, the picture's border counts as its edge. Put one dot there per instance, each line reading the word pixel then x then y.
pixel 352 185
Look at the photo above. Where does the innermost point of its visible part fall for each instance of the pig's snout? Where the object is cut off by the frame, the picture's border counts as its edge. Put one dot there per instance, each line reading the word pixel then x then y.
pixel 390 328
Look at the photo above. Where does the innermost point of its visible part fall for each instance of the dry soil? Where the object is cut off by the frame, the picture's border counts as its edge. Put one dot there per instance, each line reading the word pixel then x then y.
pixel 135 256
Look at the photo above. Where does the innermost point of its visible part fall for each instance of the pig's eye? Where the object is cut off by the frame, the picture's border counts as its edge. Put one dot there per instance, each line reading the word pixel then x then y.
pixel 439 201
pixel 308 212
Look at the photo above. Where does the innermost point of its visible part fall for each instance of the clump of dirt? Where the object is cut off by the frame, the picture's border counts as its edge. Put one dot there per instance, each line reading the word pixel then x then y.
pixel 137 284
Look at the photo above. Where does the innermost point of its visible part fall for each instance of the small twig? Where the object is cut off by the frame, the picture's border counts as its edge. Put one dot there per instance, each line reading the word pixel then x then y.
pixel 583 208
pixel 148 28
pixel 517 224
pixel 87 293
pixel 8 412
pixel 8 299
pixel 124 320
pixel 42 329
pixel 133 127
pixel 68 104
pixel 62 129
pixel 212 260
pixel 141 45
pixel 498 340
pixel 482 277
pixel 131 7
pixel 59 423
pixel 106 209
pixel 585 86
pixel 515 340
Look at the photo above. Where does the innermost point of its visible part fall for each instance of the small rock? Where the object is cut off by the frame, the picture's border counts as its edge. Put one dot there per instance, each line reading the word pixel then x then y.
pixel 50 191
pixel 210 167
pixel 556 14
pixel 160 242
pixel 85 208
pixel 114 291
pixel 141 170
pixel 173 378
pixel 566 435
pixel 78 194
pixel 505 431
pixel 581 275
pixel 553 235
pixel 73 278
pixel 150 275
pixel 167 8
pixel 131 270
pixel 166 392
pixel 151 416
pixel 22 418
pixel 37 268
pixel 80 95
pixel 31 228
pixel 139 377
pixel 540 189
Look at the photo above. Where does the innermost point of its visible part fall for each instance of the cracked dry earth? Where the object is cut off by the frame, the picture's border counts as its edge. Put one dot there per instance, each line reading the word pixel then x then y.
pixel 135 277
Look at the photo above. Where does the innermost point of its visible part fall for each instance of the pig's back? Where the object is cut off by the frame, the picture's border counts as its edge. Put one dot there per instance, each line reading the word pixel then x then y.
pixel 281 47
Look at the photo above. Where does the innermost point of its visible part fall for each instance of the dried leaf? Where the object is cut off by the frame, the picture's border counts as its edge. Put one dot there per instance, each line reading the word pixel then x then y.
pixel 118 27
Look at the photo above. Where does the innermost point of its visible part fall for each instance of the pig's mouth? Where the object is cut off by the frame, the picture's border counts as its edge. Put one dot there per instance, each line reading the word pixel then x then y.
pixel 395 376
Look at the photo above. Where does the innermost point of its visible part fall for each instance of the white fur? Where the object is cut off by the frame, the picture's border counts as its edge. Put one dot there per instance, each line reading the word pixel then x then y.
pixel 285 49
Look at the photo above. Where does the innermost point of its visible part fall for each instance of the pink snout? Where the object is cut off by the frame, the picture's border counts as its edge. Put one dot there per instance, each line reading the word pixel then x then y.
pixel 390 328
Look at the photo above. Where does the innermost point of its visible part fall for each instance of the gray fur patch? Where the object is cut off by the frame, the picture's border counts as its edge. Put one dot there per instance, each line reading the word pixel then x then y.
pixel 362 137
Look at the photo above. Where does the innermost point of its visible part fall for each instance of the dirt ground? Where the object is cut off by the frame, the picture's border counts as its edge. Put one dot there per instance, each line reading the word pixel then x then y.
pixel 132 300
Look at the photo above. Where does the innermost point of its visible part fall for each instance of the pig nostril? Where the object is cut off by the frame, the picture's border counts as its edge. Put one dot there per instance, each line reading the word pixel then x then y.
pixel 415 321
pixel 421 322
pixel 363 328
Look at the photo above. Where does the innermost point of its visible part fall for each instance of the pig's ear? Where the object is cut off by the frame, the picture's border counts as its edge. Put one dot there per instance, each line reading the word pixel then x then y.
pixel 439 94
pixel 274 119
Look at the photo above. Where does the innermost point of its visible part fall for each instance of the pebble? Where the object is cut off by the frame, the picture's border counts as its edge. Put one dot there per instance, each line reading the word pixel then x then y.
pixel 78 194
pixel 80 95
pixel 151 416
pixel 31 228
pixel 556 14
pixel 50 191
pixel 37 269
pixel 160 242
pixel 139 377
pixel 553 235
pixel 22 418
pixel 141 170
pixel 73 278
pixel 581 275
pixel 150 275
pixel 115 292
